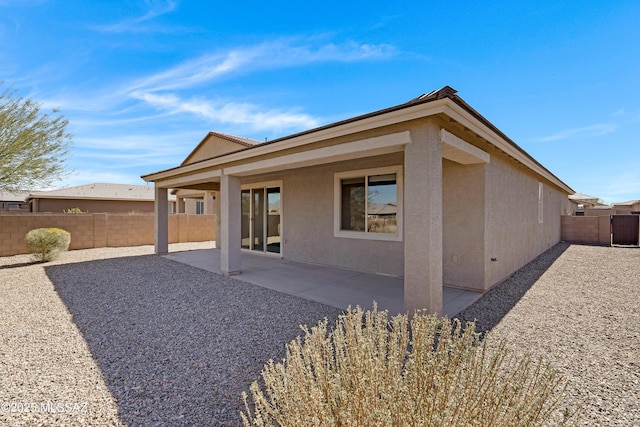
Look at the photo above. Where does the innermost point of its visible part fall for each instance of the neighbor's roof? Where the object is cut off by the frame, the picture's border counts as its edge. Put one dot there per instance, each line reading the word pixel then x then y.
pixel 582 196
pixel 100 191
pixel 7 196
pixel 628 203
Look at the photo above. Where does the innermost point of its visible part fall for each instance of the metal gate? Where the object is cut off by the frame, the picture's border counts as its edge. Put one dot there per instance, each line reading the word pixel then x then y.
pixel 625 229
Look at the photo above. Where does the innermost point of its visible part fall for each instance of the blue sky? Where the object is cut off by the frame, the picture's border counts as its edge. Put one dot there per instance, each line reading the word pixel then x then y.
pixel 142 82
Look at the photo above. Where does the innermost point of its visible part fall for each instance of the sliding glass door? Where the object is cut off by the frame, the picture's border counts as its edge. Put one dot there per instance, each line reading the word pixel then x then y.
pixel 261 219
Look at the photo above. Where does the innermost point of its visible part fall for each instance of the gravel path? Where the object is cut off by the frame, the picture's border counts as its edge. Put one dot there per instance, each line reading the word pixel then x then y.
pixel 123 337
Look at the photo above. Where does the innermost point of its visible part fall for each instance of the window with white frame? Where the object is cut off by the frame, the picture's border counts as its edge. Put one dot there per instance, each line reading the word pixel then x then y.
pixel 368 204
pixel 540 204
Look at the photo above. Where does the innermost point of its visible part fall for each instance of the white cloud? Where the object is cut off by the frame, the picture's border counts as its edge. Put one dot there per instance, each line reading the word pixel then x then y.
pixel 230 112
pixel 286 52
pixel 583 132
pixel 132 25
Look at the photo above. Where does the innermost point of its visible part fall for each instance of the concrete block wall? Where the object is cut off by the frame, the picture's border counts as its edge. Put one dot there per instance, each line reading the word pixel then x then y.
pixel 593 230
pixel 104 229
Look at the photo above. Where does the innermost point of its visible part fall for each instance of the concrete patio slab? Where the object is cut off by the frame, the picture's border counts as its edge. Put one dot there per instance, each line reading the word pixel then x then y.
pixel 331 286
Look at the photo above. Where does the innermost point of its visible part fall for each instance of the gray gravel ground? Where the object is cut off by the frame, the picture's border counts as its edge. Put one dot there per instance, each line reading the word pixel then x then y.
pixel 124 337
pixel 578 307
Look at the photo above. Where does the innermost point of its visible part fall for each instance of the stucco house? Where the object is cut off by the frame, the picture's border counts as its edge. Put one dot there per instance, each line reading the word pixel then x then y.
pixel 471 206
pixel 628 207
pixel 97 198
pixel 13 202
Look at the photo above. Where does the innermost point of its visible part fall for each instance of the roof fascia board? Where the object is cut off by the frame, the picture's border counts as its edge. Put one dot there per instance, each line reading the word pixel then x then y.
pixel 463 117
pixel 197 178
pixel 383 144
pixel 390 118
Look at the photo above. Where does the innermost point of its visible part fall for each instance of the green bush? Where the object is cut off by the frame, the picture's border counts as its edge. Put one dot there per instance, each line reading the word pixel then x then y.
pixel 427 371
pixel 48 243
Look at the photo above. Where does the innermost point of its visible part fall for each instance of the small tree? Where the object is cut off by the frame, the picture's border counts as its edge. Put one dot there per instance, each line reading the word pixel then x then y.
pixel 33 145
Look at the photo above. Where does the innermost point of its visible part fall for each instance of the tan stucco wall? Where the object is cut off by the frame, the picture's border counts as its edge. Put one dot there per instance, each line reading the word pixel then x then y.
pixel 93 206
pixel 513 235
pixel 212 147
pixel 308 229
pixel 463 224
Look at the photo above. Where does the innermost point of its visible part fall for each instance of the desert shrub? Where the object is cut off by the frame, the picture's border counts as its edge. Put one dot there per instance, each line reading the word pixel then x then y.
pixel 73 211
pixel 427 371
pixel 47 243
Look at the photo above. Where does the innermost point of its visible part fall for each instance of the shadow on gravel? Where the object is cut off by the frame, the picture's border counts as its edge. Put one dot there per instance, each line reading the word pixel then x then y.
pixel 177 345
pixel 20 264
pixel 495 304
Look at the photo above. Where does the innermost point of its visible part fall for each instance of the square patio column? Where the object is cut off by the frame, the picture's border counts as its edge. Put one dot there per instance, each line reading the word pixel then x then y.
pixel 423 221
pixel 161 224
pixel 230 235
pixel 216 212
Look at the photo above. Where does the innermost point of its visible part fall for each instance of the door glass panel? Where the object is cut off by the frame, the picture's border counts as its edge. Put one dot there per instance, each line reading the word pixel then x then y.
pixel 245 218
pixel 258 219
pixel 273 220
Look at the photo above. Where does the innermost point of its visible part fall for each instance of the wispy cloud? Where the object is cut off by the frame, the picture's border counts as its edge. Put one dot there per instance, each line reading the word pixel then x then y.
pixel 230 112
pixel 166 90
pixel 133 25
pixel 582 132
pixel 285 52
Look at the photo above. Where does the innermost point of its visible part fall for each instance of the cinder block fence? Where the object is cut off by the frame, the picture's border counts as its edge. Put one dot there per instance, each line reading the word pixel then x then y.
pixel 103 229
pixel 592 230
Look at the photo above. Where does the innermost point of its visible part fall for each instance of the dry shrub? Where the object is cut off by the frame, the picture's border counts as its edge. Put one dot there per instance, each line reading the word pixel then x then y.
pixel 47 243
pixel 427 371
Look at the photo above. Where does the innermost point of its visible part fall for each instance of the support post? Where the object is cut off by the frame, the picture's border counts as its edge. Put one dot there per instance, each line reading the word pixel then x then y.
pixel 423 221
pixel 230 236
pixel 161 225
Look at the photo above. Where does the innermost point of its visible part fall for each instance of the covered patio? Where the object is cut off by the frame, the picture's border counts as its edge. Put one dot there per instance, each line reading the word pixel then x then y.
pixel 331 286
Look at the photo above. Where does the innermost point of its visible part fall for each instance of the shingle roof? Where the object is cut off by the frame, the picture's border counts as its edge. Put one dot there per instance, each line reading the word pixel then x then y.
pixel 7 196
pixel 100 191
pixel 240 140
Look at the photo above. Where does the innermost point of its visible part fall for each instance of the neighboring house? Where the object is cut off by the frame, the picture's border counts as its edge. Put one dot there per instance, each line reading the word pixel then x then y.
pixel 471 206
pixel 582 202
pixel 13 202
pixel 97 198
pixel 626 208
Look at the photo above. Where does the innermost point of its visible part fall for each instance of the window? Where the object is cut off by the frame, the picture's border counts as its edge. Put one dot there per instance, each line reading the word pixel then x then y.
pixel 199 207
pixel 368 204
pixel 540 205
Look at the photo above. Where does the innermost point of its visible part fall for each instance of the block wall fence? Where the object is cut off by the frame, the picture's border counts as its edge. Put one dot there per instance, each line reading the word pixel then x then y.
pixel 592 230
pixel 103 229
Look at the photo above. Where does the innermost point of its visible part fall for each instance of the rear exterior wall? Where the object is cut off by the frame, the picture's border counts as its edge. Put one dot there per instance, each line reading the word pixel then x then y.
pixel 308 215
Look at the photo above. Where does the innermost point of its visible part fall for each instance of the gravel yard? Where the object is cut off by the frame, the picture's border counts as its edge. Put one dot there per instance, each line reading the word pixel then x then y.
pixel 118 336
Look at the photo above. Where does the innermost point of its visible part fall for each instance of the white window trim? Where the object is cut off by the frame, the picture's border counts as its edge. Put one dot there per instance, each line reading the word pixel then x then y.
pixel 540 203
pixel 337 191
